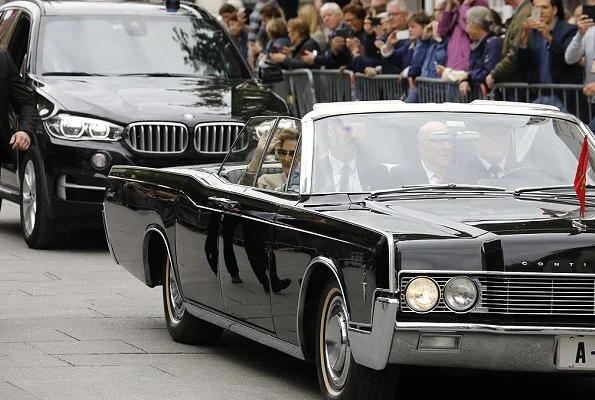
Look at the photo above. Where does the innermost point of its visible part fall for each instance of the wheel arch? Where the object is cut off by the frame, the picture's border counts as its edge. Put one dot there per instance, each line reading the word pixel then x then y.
pixel 156 249
pixel 317 273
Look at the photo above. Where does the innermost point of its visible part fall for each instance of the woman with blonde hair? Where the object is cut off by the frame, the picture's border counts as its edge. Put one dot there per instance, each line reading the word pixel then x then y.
pixel 311 16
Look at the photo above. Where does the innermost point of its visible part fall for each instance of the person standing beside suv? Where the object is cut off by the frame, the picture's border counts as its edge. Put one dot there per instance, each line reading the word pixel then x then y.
pixel 13 92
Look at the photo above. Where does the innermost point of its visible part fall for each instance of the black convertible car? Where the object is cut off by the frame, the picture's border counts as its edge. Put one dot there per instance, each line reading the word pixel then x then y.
pixel 371 236
pixel 119 82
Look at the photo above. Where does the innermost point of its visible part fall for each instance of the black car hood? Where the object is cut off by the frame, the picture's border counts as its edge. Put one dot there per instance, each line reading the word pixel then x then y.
pixel 130 99
pixel 499 233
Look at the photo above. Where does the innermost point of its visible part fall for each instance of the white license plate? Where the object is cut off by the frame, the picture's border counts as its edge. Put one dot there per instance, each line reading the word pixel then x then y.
pixel 576 352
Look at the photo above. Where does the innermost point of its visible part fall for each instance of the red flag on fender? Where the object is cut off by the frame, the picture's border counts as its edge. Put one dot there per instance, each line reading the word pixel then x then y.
pixel 580 179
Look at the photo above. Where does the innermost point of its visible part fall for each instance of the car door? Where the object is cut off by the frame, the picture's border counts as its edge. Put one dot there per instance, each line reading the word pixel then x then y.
pixel 15 27
pixel 246 235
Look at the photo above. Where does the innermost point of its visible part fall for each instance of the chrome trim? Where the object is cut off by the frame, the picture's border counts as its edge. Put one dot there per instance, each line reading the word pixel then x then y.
pixel 244 330
pixel 107 239
pixel 372 348
pixel 304 287
pixel 501 329
pixel 62 185
pixel 9 191
pixel 218 137
pixel 160 137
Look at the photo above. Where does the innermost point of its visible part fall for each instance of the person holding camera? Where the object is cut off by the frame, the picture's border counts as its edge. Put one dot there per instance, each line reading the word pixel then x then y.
pixel 300 43
pixel 337 53
pixel 582 47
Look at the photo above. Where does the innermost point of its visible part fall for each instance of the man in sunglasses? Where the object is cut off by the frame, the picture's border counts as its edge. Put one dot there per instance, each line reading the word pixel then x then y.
pixel 435 151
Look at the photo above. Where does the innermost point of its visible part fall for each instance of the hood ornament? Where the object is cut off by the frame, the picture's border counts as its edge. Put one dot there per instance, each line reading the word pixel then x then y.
pixel 580 227
pixel 188 117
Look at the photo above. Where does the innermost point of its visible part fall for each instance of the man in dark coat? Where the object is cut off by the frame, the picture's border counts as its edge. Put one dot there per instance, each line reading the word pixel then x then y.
pixel 493 157
pixel 344 169
pixel 13 92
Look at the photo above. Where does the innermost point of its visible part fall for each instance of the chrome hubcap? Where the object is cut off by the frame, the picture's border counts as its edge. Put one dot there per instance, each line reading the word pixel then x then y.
pixel 29 198
pixel 336 346
pixel 175 297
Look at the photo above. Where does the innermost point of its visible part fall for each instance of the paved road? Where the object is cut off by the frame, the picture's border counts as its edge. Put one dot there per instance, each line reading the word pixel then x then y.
pixel 74 325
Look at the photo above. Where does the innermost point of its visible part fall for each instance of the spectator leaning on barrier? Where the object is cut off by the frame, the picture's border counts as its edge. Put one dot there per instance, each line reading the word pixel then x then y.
pixel 452 25
pixel 256 25
pixel 336 53
pixel 299 35
pixel 397 14
pixel 354 16
pixel 507 69
pixel 417 24
pixel 543 46
pixel 486 49
pixel 311 16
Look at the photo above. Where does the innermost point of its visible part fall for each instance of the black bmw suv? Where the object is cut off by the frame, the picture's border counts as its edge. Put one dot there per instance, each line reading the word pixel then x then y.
pixel 119 83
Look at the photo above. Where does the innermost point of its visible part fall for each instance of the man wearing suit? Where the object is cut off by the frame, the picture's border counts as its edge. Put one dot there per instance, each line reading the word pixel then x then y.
pixel 435 154
pixel 342 169
pixel 492 160
pixel 13 92
pixel 543 45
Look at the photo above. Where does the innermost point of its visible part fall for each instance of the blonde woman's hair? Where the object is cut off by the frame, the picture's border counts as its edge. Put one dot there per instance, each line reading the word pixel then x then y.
pixel 311 16
pixel 276 28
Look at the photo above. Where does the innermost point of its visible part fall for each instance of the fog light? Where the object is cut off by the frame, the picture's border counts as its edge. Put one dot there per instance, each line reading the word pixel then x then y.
pixel 99 160
pixel 439 342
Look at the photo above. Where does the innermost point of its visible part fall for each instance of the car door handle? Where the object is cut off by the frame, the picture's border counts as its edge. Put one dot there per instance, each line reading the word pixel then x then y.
pixel 227 204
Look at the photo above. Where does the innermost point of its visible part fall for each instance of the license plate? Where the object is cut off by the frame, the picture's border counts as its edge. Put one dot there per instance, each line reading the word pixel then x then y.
pixel 576 352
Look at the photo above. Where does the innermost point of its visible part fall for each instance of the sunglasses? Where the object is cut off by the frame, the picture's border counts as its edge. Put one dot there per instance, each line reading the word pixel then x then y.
pixel 284 153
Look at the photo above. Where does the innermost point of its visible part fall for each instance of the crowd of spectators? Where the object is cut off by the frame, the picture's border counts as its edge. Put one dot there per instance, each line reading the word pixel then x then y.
pixel 463 41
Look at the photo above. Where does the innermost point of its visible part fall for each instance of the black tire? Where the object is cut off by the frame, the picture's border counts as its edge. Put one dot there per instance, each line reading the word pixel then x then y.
pixel 182 326
pixel 36 225
pixel 345 380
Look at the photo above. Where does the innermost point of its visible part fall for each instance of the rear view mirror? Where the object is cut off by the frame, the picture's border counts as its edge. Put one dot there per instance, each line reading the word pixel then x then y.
pixel 269 72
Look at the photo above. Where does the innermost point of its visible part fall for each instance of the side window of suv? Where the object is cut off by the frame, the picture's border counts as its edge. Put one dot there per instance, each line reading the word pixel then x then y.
pixel 8 21
pixel 19 42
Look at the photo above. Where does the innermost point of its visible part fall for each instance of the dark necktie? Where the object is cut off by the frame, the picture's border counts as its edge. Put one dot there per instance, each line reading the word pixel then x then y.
pixel 496 171
pixel 345 178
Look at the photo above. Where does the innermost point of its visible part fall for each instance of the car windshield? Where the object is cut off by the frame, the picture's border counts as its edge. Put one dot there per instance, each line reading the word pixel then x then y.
pixel 383 151
pixel 166 45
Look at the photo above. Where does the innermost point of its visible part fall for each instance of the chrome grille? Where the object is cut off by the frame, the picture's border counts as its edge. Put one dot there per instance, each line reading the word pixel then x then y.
pixel 550 294
pixel 217 138
pixel 157 137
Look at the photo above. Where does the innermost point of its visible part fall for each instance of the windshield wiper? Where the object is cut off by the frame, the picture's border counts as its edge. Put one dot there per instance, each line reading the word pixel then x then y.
pixel 158 74
pixel 70 73
pixel 436 188
pixel 548 189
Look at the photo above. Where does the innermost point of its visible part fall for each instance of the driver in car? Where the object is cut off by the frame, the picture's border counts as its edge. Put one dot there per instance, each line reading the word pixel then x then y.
pixel 492 160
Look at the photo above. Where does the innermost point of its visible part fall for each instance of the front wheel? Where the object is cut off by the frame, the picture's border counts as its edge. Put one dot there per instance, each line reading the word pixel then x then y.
pixel 182 326
pixel 36 224
pixel 339 376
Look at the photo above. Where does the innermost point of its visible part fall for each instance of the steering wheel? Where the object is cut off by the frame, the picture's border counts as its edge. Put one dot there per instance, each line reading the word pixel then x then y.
pixel 521 171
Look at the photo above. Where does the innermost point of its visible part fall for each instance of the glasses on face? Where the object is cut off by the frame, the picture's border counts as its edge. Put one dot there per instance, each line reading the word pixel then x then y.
pixel 284 153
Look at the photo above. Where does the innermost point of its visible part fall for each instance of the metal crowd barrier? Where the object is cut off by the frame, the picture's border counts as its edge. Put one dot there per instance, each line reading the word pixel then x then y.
pixel 303 88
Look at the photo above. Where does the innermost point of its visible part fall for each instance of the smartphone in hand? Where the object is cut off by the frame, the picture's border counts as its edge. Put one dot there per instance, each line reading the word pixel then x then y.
pixel 344 32
pixel 536 13
pixel 589 11
pixel 402 35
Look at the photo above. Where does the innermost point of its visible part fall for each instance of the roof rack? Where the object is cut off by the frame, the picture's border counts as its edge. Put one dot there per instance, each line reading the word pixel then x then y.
pixel 515 103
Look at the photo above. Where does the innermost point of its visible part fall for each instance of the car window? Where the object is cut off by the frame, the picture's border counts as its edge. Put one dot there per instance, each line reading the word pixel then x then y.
pixel 282 152
pixel 19 42
pixel 390 150
pixel 177 44
pixel 244 151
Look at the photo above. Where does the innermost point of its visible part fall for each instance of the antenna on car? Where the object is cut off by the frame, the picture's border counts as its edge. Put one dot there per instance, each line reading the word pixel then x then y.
pixel 172 5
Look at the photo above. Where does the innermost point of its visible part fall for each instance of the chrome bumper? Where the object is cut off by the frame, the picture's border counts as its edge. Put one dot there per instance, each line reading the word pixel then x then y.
pixel 477 346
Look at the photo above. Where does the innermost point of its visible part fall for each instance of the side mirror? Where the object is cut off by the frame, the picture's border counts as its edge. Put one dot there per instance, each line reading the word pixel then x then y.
pixel 269 72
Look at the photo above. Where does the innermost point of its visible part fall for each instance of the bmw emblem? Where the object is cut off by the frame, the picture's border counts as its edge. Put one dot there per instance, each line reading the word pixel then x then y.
pixel 188 117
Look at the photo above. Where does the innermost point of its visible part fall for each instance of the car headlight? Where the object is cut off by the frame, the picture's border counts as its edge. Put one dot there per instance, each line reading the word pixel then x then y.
pixel 67 126
pixel 460 293
pixel 422 294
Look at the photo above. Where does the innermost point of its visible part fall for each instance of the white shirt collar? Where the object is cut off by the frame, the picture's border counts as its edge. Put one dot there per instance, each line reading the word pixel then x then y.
pixel 432 177
pixel 487 164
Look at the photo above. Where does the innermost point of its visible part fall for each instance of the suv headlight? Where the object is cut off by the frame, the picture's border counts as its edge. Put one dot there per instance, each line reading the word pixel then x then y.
pixel 460 293
pixel 422 294
pixel 67 126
